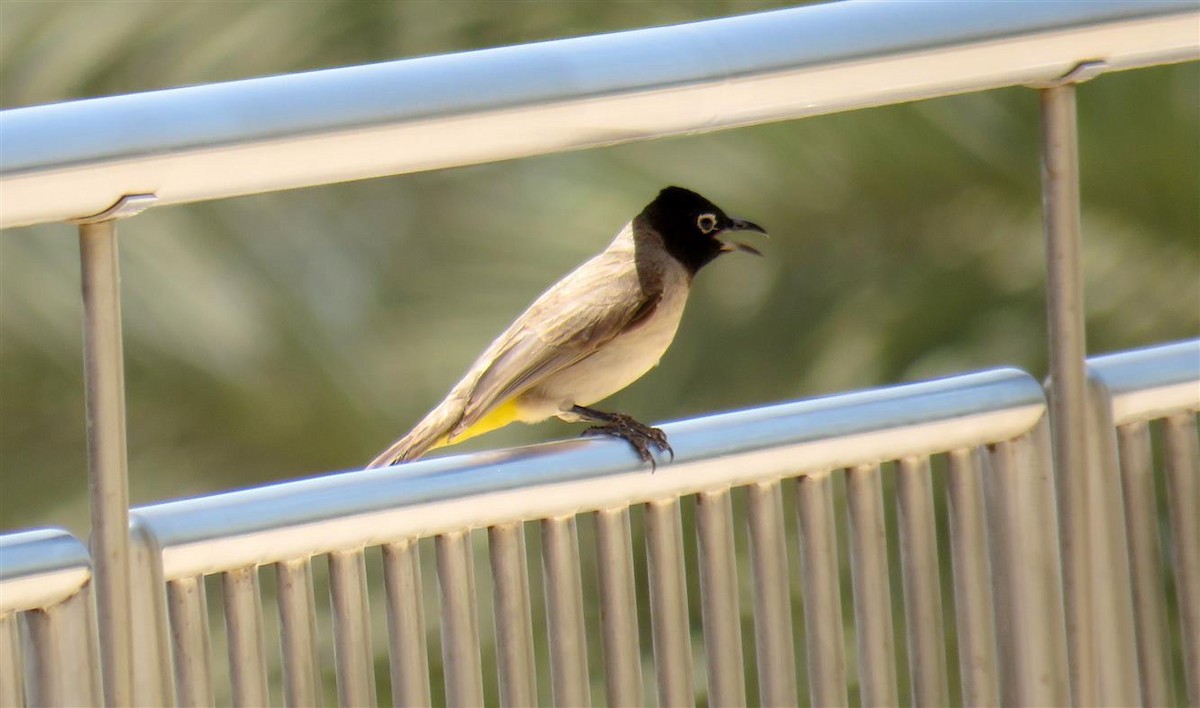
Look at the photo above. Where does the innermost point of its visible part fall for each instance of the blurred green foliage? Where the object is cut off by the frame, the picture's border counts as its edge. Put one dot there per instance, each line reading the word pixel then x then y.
pixel 293 333
pixel 290 334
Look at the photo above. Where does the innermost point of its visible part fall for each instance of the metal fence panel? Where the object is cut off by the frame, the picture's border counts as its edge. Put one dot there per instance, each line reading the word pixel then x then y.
pixel 1131 389
pixel 1009 610
pixel 47 621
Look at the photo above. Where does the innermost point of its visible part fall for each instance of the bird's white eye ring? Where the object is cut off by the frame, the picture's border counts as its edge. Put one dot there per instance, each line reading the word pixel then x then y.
pixel 706 222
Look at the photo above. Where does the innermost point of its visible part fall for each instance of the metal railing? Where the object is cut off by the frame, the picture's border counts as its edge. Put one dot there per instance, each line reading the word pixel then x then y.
pixel 45 581
pixel 985 434
pixel 339 517
pixel 1130 393
pixel 94 161
pixel 993 419
pixel 70 160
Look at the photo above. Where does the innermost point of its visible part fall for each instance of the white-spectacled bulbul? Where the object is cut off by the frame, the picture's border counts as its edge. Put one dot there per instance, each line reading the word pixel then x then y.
pixel 590 335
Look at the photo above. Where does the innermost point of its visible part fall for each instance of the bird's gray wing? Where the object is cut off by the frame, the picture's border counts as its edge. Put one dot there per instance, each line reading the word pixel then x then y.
pixel 567 324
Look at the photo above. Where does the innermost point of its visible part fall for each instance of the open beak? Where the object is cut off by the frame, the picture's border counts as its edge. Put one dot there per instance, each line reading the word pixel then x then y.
pixel 741 225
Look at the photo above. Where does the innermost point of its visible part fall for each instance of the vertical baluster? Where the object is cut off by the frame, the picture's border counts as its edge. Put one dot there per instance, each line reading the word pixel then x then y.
pixel 618 609
pixel 872 594
pixel 719 599
pixel 772 596
pixel 1031 627
pixel 351 628
pixel 1183 505
pixel 60 656
pixel 1145 565
pixel 12 683
pixel 409 658
pixel 820 574
pixel 460 621
pixel 972 579
pixel 922 588
pixel 514 619
pixel 188 610
pixel 668 603
pixel 298 633
pixel 244 632
pixel 152 684
pixel 564 611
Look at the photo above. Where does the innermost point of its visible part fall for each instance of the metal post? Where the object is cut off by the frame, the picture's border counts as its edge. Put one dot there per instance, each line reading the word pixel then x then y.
pixel 564 612
pixel 720 613
pixel 1146 564
pixel 461 664
pixel 774 640
pixel 104 377
pixel 1026 569
pixel 515 662
pixel 108 462
pixel 406 625
pixel 668 603
pixel 244 632
pixel 867 536
pixel 187 604
pixel 973 602
pixel 298 633
pixel 352 653
pixel 618 608
pixel 1068 347
pixel 1183 506
pixel 922 590
pixel 823 634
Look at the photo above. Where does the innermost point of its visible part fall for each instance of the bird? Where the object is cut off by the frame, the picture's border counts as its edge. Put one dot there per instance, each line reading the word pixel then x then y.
pixel 591 334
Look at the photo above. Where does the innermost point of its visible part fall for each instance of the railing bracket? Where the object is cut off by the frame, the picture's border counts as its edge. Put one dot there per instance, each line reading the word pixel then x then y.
pixel 125 207
pixel 1083 71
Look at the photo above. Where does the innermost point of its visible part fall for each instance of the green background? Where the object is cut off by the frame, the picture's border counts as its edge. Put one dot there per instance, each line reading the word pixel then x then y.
pixel 290 334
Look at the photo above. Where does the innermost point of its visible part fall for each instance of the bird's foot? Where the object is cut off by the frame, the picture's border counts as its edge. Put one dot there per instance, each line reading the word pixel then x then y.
pixel 639 435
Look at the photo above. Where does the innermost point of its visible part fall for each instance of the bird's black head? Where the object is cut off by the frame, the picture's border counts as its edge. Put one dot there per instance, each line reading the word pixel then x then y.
pixel 691 227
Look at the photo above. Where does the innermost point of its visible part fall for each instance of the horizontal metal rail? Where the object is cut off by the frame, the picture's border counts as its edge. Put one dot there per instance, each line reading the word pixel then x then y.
pixel 76 159
pixel 1150 383
pixel 307 517
pixel 41 568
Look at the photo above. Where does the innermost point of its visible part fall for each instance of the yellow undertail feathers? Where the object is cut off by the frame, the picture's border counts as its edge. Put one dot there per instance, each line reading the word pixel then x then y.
pixel 498 417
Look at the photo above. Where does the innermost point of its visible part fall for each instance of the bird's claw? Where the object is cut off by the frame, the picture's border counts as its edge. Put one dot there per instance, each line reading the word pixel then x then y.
pixel 639 435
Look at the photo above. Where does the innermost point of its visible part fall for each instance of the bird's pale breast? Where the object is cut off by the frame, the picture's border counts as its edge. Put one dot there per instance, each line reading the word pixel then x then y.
pixel 618 363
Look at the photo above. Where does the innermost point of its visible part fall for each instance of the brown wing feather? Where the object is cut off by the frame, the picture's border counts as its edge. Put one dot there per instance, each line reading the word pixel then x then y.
pixel 568 323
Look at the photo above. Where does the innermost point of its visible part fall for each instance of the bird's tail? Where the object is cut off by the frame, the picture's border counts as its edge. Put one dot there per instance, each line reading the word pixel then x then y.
pixel 431 432
pixel 440 428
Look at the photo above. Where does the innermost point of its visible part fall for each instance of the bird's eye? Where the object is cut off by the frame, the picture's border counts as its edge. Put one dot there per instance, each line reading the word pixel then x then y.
pixel 706 223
